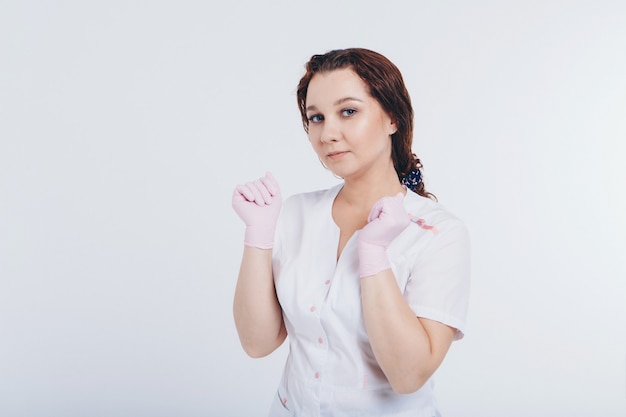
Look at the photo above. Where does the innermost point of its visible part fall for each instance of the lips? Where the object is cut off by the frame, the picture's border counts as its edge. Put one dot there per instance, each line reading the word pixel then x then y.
pixel 336 154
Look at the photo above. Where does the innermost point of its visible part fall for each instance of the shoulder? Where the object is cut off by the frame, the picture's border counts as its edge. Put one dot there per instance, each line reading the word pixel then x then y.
pixel 311 199
pixel 434 220
pixel 429 211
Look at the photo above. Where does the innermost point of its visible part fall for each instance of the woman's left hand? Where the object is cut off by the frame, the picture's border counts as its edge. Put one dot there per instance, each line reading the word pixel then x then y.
pixel 386 221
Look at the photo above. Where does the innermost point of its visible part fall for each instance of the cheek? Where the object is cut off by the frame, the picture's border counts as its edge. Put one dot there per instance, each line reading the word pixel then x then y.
pixel 314 136
pixel 364 128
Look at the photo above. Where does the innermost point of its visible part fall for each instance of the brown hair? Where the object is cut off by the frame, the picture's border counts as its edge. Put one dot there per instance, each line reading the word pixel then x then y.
pixel 386 86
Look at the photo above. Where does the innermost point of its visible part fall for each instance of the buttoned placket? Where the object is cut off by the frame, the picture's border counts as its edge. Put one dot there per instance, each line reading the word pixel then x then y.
pixel 323 393
pixel 321 337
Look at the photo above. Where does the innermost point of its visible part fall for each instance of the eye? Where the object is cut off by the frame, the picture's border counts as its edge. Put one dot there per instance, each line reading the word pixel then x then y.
pixel 316 118
pixel 348 112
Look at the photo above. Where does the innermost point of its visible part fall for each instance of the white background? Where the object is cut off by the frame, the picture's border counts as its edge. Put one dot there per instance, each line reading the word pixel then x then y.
pixel 124 127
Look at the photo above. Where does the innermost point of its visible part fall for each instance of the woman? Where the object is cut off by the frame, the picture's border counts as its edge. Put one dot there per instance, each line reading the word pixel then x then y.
pixel 370 278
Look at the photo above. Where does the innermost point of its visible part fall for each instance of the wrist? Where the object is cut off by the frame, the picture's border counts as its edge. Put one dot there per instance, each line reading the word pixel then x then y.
pixel 372 259
pixel 261 237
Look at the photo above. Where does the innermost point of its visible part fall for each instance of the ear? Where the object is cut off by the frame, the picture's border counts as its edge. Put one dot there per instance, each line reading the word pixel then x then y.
pixel 392 128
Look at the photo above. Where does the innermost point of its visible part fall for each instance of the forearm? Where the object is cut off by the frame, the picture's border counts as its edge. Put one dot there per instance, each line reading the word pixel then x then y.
pixel 257 313
pixel 402 345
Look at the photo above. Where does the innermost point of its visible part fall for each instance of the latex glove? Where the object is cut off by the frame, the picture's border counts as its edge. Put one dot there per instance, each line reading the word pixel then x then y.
pixel 387 219
pixel 258 204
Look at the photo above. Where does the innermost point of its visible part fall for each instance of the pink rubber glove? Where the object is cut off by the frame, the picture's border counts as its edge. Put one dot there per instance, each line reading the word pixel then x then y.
pixel 258 204
pixel 387 219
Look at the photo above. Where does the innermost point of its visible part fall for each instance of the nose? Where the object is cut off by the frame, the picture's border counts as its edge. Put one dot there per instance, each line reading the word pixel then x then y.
pixel 330 131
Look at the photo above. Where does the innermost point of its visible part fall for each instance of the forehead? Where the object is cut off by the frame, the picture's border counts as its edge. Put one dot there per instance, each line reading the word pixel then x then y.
pixel 328 87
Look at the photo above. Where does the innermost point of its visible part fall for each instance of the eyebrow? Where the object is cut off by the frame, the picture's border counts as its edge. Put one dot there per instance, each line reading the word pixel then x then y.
pixel 336 103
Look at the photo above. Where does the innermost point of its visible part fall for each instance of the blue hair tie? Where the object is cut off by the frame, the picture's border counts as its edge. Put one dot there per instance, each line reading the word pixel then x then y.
pixel 412 179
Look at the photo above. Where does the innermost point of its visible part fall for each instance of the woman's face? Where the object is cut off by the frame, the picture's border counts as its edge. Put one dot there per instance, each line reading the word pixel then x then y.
pixel 348 128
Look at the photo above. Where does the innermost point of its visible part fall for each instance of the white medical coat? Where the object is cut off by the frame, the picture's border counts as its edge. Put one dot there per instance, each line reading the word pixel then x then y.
pixel 331 369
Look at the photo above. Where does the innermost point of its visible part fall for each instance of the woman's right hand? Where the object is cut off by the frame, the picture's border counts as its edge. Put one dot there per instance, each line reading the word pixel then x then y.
pixel 258 204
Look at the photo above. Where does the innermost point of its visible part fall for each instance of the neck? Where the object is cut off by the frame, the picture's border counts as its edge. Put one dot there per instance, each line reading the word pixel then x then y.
pixel 365 190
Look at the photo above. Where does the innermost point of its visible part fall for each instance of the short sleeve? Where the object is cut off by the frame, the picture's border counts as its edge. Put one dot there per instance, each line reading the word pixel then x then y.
pixel 439 282
pixel 279 235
